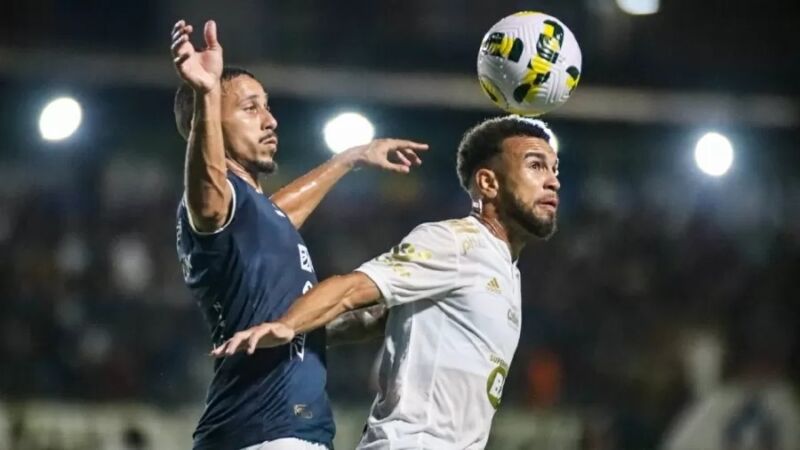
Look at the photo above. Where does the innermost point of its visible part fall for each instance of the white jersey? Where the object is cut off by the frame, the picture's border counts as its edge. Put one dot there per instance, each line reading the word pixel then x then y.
pixel 740 415
pixel 454 322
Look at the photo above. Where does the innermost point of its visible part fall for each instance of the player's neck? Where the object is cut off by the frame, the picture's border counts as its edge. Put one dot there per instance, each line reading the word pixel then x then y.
pixel 488 217
pixel 248 177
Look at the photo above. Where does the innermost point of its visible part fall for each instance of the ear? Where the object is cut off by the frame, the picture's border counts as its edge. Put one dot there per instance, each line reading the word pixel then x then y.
pixel 486 183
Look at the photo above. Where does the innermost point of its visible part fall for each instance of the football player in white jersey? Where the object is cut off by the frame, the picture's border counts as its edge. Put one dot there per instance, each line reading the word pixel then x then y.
pixel 453 292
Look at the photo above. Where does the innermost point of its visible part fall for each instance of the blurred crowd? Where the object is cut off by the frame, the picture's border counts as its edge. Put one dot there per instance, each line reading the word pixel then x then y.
pixel 642 303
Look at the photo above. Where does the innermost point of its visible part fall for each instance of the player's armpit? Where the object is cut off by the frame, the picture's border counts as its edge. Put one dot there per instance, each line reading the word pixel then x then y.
pixel 358 325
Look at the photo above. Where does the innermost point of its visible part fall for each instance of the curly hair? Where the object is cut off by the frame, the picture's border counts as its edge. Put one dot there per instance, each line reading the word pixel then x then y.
pixel 481 142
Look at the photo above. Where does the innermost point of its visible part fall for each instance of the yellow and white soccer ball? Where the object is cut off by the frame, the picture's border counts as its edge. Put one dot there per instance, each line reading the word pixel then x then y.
pixel 529 63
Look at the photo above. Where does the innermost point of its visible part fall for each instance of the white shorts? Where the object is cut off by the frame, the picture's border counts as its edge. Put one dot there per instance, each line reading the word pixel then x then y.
pixel 287 444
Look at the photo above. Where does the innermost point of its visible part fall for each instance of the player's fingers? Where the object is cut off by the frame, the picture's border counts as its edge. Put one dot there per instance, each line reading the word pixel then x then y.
pixel 219 351
pixel 187 29
pixel 398 155
pixel 210 33
pixel 233 347
pixel 252 342
pixel 180 59
pixel 399 168
pixel 177 43
pixel 178 25
pixel 413 157
pixel 403 143
pixel 234 342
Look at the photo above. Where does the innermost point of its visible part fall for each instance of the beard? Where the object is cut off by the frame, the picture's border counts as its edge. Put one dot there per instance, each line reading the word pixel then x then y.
pixel 255 166
pixel 265 167
pixel 261 167
pixel 519 212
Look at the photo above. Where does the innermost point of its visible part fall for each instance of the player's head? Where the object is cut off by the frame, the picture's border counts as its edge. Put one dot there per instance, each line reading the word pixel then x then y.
pixel 248 126
pixel 508 162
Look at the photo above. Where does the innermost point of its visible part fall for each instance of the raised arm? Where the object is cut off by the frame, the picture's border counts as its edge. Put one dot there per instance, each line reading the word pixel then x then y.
pixel 316 308
pixel 300 197
pixel 208 194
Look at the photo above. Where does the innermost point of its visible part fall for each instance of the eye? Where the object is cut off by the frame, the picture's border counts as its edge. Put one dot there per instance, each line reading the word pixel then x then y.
pixel 536 165
pixel 250 108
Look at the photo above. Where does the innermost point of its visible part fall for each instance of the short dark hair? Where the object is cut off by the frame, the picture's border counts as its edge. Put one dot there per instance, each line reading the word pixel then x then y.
pixel 184 99
pixel 481 142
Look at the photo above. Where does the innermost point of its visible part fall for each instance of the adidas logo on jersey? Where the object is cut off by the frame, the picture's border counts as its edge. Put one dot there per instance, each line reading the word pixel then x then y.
pixel 493 286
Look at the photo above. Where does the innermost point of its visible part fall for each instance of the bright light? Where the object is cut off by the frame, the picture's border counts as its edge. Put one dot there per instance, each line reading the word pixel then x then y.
pixel 713 154
pixel 59 119
pixel 639 7
pixel 348 130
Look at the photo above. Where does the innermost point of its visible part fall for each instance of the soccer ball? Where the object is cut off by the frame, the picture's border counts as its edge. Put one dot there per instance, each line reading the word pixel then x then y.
pixel 529 63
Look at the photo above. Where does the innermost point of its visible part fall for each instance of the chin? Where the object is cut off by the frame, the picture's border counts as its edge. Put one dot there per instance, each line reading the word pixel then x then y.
pixel 541 227
pixel 267 166
pixel 262 166
pixel 539 224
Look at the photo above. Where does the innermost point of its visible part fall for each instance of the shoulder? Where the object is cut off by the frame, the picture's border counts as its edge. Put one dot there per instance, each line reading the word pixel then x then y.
pixel 237 198
pixel 436 234
pixel 239 189
pixel 452 231
pixel 462 226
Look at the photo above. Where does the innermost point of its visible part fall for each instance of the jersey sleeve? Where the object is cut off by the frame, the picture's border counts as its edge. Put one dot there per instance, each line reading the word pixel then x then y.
pixel 235 205
pixel 423 266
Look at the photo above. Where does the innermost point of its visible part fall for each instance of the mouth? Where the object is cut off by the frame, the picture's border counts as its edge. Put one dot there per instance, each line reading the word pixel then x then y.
pixel 549 203
pixel 269 139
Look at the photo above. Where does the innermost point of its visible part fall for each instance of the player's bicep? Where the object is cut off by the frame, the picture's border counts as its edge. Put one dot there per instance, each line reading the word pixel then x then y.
pixel 209 201
pixel 203 221
pixel 423 266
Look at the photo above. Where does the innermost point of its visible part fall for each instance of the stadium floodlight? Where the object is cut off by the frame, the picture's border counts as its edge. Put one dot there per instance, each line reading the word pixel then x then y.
pixel 60 119
pixel 639 7
pixel 347 130
pixel 713 154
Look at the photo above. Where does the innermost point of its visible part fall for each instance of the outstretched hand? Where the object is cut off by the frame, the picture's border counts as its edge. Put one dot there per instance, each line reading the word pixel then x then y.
pixel 396 155
pixel 268 334
pixel 199 69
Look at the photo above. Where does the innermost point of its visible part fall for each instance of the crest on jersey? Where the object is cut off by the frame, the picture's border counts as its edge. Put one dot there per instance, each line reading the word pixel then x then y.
pixel 301 410
pixel 494 385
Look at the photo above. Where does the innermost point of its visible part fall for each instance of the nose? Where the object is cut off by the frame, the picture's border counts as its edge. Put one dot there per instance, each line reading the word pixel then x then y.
pixel 552 183
pixel 268 121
